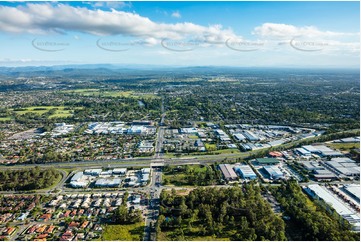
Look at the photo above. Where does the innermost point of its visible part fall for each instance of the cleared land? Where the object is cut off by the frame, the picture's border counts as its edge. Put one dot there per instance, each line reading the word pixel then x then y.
pixel 131 232
pixel 59 111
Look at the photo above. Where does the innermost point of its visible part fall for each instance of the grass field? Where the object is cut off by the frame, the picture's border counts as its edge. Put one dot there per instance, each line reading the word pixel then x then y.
pixel 193 235
pixel 179 178
pixel 131 232
pixel 344 146
pixel 61 111
pixel 98 92
pixel 5 118
pixel 210 147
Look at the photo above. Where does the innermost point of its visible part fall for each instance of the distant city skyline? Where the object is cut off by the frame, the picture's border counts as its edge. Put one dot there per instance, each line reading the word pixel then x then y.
pixel 240 34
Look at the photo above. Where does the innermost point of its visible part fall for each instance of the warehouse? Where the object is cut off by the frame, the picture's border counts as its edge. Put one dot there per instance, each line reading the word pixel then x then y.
pixel 108 183
pixel 302 152
pixel 274 172
pixel 251 136
pixel 267 161
pixel 344 166
pixel 312 165
pixel 79 180
pixel 318 192
pixel 145 170
pixel 120 171
pixel 322 150
pixel 228 172
pixel 353 190
pixel 239 137
pixel 93 172
pixel 245 171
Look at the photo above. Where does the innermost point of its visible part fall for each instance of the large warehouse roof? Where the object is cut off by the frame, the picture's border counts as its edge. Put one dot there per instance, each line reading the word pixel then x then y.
pixel 267 161
pixel 325 195
pixel 228 172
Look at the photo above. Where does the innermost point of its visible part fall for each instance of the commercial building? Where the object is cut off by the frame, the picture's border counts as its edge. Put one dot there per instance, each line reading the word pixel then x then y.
pixel 353 190
pixel 311 165
pixel 274 172
pixel 79 180
pixel 93 172
pixel 303 152
pixel 228 172
pixel 245 171
pixel 322 150
pixel 145 170
pixel 145 178
pixel 344 166
pixel 319 192
pixel 320 173
pixel 251 136
pixel 189 130
pixel 239 137
pixel 108 182
pixel 267 161
pixel 120 171
pixel 275 154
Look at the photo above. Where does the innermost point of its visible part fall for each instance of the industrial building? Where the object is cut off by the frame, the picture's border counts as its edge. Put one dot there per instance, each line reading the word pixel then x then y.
pixel 318 192
pixel 245 171
pixel 302 152
pixel 93 172
pixel 322 150
pixel 120 171
pixel 344 166
pixel 239 137
pixel 250 136
pixel 79 180
pixel 274 172
pixel 228 172
pixel 311 165
pixel 108 182
pixel 353 190
pixel 145 170
pixel 267 161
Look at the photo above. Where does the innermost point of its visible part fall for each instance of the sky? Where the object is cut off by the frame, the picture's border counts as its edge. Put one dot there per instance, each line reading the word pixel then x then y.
pixel 242 34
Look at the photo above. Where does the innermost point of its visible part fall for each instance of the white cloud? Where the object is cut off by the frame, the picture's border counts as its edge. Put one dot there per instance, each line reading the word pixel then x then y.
pixel 276 30
pixel 176 14
pixel 61 18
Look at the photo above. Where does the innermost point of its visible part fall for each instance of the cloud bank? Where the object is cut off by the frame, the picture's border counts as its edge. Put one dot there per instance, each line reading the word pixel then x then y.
pixel 61 18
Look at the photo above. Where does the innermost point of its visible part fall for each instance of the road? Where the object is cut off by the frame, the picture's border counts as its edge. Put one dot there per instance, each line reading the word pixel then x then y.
pixel 160 135
pixel 159 144
pixel 152 212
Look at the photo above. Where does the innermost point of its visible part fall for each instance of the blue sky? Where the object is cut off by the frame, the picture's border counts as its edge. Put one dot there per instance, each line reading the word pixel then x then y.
pixel 269 34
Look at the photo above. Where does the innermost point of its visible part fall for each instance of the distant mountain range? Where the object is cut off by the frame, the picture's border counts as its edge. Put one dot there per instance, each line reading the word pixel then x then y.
pixel 111 69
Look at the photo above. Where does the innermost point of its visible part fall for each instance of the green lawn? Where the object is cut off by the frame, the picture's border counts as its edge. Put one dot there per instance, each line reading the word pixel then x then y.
pixel 61 111
pixel 5 118
pixel 131 232
pixel 97 92
pixel 180 178
pixel 62 114
pixel 193 136
pixel 344 146
pixel 210 147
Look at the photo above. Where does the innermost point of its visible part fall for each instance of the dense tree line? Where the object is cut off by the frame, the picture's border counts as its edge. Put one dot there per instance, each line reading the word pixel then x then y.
pixel 311 221
pixel 237 213
pixel 28 179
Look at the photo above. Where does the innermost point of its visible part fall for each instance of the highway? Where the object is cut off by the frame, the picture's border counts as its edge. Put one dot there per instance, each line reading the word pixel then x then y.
pixel 145 161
